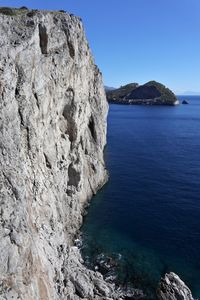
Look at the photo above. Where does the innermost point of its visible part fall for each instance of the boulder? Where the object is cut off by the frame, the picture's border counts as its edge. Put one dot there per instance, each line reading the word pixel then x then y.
pixel 171 287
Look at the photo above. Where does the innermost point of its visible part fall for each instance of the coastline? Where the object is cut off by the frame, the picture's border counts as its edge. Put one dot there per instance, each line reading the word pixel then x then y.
pixel 54 133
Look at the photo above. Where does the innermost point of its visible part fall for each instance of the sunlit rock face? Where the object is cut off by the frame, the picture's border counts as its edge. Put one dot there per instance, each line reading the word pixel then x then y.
pixel 171 287
pixel 52 137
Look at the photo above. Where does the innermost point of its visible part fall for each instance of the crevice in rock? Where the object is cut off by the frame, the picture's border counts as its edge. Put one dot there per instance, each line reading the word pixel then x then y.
pixel 71 130
pixel 28 139
pixel 69 43
pixel 8 263
pixel 65 282
pixel 20 117
pixel 72 134
pixel 16 92
pixel 66 111
pixel 35 95
pixel 37 100
pixel 12 239
pixel 47 162
pixel 70 94
pixel 58 287
pixel 91 126
pixel 43 38
pixel 71 49
pixel 74 176
pixel 20 76
pixel 68 114
pixel 78 293
pixel 93 167
pixel 81 142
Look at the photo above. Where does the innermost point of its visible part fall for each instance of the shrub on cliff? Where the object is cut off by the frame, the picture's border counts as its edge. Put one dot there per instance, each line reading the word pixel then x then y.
pixel 7 11
pixel 23 8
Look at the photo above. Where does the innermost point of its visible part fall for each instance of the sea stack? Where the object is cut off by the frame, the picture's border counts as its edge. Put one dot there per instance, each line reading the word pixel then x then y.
pixel 171 287
pixel 185 102
pixel 151 93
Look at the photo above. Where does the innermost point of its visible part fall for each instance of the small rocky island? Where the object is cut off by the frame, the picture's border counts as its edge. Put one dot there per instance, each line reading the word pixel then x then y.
pixel 151 93
pixel 185 102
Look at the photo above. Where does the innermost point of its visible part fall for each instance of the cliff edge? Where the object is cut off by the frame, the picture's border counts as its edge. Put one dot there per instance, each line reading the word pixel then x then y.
pixel 52 137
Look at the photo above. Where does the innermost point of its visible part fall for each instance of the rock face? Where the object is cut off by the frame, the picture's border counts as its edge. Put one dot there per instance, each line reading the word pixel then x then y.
pixel 52 136
pixel 173 288
pixel 151 93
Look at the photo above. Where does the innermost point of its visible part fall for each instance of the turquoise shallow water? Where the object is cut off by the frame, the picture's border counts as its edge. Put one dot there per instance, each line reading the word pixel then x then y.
pixel 149 211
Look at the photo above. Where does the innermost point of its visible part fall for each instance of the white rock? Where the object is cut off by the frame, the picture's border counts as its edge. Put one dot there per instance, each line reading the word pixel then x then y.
pixel 171 287
pixel 53 131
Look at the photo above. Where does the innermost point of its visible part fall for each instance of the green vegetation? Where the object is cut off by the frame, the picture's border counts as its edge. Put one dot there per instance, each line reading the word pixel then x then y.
pixel 7 11
pixel 23 8
pixel 32 13
pixel 122 91
pixel 151 93
pixel 166 94
pixel 10 11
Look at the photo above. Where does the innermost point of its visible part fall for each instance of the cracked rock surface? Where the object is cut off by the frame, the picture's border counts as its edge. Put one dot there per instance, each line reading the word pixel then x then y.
pixel 173 288
pixel 52 136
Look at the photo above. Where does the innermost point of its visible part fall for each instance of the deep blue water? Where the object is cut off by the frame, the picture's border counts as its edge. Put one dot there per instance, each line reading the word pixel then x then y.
pixel 149 211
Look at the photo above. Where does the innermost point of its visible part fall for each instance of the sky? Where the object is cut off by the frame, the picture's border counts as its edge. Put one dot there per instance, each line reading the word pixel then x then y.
pixel 138 40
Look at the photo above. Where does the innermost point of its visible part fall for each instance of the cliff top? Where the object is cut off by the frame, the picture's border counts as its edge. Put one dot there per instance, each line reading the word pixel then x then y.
pixel 13 11
pixel 21 25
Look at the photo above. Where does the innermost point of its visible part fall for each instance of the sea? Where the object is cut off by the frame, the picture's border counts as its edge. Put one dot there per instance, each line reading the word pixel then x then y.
pixel 146 220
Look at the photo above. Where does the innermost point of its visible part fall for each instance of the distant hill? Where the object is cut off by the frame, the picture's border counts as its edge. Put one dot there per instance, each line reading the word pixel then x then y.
pixel 151 93
pixel 109 88
pixel 190 93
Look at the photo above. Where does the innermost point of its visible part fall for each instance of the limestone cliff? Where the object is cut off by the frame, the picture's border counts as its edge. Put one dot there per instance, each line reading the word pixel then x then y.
pixel 52 136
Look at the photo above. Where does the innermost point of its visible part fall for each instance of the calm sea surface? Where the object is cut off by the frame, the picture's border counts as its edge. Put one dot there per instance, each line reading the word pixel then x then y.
pixel 149 211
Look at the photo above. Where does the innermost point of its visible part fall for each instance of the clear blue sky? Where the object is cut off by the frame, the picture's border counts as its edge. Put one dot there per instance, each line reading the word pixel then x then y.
pixel 139 40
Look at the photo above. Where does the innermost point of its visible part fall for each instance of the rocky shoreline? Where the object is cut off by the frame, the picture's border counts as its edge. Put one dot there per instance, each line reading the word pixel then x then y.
pixel 170 287
pixel 53 133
